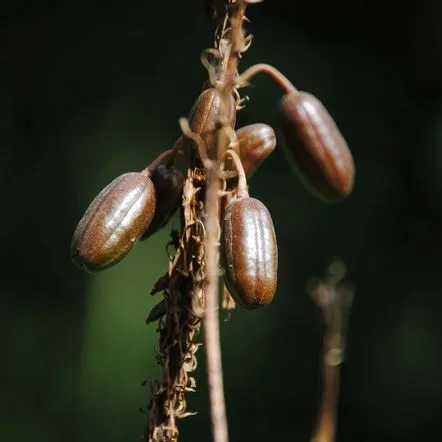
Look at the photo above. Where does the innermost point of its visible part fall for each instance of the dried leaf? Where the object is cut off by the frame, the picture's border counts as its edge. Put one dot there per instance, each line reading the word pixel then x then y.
pixel 157 312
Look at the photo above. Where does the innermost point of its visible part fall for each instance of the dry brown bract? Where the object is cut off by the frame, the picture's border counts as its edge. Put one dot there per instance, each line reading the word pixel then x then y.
pixel 181 311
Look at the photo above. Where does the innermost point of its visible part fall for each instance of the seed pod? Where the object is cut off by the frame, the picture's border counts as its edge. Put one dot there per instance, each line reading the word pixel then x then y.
pixel 249 253
pixel 168 182
pixel 256 143
pixel 203 118
pixel 315 147
pixel 115 219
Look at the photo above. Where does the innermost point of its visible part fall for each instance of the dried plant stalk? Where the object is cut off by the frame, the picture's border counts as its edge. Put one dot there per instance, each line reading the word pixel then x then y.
pixel 334 300
pixel 183 304
pixel 191 285
pixel 226 87
pixel 211 320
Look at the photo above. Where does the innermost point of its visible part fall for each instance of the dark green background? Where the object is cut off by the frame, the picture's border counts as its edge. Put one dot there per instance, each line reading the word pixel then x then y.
pixel 88 92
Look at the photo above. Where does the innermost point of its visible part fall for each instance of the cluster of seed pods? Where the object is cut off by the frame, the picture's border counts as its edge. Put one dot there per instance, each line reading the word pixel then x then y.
pixel 220 159
pixel 137 204
pixel 318 154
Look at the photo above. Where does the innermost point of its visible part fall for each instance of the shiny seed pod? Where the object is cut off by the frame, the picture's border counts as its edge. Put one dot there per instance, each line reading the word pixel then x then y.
pixel 203 118
pixel 315 147
pixel 249 253
pixel 115 219
pixel 169 183
pixel 256 143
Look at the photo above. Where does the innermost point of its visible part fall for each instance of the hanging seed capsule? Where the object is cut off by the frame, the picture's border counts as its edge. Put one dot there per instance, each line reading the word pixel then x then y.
pixel 115 219
pixel 203 118
pixel 256 143
pixel 315 147
pixel 249 253
pixel 169 183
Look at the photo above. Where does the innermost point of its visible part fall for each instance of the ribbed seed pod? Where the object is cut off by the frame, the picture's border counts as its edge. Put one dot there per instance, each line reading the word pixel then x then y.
pixel 315 147
pixel 115 219
pixel 169 183
pixel 249 253
pixel 203 118
pixel 256 142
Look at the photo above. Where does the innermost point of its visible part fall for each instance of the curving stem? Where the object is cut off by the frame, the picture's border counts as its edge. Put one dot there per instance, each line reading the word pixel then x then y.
pixel 281 80
pixel 242 180
pixel 187 131
pixel 171 153
pixel 176 151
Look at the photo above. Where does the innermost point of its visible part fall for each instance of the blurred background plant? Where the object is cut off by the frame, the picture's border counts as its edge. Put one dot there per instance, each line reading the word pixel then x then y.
pixel 89 92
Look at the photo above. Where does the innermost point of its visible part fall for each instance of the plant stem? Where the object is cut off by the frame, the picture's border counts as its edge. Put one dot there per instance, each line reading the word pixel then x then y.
pixel 212 227
pixel 334 301
pixel 281 80
pixel 168 154
pixel 242 180
pixel 326 428
pixel 211 321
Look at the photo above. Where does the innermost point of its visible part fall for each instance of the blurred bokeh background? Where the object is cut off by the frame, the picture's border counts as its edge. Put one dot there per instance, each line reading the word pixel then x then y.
pixel 90 91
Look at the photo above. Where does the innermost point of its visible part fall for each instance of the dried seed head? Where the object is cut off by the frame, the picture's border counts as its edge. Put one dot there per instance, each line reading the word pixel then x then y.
pixel 249 253
pixel 203 119
pixel 315 147
pixel 169 183
pixel 256 143
pixel 114 221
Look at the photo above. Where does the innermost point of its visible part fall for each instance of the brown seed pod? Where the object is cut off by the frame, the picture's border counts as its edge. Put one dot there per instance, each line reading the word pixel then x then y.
pixel 249 253
pixel 169 183
pixel 315 147
pixel 203 118
pixel 115 219
pixel 256 143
